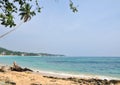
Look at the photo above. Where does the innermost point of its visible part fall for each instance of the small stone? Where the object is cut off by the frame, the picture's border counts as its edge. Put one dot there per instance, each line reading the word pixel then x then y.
pixel 36 84
pixel 10 82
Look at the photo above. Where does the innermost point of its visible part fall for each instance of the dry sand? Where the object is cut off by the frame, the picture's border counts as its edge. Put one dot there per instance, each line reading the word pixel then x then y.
pixel 30 78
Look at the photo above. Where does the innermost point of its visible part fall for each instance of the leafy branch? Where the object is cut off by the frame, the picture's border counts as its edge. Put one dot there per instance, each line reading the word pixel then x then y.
pixel 24 8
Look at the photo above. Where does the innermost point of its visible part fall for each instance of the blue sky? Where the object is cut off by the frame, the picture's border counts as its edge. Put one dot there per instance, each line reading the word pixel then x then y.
pixel 93 31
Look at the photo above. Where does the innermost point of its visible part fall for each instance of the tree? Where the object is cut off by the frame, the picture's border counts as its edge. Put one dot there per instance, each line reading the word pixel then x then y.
pixel 26 9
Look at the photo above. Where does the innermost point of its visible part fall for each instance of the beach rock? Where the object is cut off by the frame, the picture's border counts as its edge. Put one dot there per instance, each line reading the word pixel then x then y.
pixel 4 68
pixel 27 69
pixel 10 82
pixel 114 82
pixel 37 71
pixel 94 81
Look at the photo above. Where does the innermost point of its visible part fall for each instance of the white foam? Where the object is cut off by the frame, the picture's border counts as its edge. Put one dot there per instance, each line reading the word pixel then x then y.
pixel 67 75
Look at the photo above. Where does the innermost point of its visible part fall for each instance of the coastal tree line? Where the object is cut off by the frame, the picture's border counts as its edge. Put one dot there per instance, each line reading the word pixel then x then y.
pixel 4 51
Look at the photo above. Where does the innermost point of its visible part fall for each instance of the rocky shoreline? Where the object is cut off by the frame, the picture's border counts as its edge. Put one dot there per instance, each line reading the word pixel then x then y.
pixel 16 75
pixel 90 81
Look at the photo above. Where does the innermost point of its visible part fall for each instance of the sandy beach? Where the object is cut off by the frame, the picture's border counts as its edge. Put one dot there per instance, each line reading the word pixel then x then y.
pixel 33 78
pixel 28 78
pixel 17 75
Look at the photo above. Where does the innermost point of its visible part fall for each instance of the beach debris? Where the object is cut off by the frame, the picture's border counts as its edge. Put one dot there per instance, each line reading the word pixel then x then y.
pixel 16 67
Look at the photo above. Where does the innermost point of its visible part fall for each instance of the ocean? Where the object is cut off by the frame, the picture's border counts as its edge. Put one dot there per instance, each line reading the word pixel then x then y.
pixel 102 66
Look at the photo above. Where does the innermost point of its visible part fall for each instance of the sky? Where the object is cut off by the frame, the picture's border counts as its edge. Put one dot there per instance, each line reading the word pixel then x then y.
pixel 93 31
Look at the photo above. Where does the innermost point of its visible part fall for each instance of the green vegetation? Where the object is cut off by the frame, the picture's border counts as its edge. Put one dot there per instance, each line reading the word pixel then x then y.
pixel 25 9
pixel 4 51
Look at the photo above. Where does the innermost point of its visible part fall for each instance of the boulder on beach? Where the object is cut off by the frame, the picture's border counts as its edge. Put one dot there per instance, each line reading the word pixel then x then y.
pixel 4 68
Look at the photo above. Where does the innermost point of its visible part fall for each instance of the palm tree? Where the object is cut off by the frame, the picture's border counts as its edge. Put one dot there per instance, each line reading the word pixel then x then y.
pixel 26 12
pixel 1 36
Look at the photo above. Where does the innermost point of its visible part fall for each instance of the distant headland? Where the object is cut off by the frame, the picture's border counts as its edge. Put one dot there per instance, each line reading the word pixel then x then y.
pixel 4 51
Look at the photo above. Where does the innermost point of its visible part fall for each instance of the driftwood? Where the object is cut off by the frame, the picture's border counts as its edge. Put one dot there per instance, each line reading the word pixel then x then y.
pixel 18 68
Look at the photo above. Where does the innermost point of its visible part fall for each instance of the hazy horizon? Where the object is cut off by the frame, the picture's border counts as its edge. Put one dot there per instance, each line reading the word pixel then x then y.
pixel 93 31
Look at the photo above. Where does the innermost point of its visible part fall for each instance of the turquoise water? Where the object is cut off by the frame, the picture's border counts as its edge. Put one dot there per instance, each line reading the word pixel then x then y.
pixel 104 66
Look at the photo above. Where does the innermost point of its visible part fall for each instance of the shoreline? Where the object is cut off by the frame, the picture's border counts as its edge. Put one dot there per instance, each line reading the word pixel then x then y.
pixel 67 75
pixel 35 77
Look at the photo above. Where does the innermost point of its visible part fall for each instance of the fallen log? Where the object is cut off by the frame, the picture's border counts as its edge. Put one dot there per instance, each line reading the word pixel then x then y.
pixel 18 68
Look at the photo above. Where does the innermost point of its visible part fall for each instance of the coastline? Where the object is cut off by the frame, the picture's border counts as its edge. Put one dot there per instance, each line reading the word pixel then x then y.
pixel 51 78
pixel 67 75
